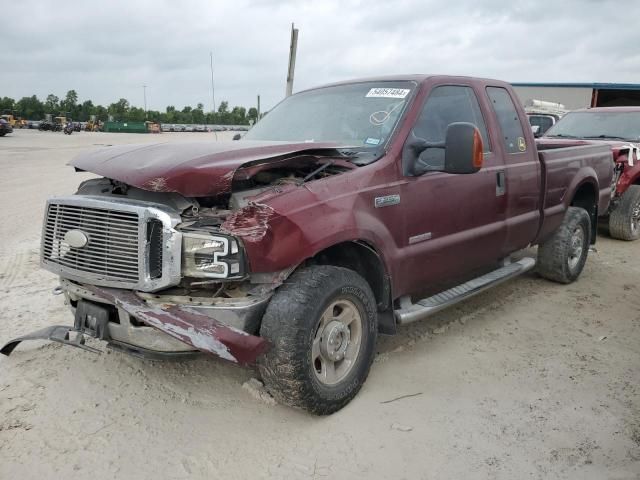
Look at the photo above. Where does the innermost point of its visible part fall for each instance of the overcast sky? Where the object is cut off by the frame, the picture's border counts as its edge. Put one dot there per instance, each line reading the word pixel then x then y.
pixel 107 50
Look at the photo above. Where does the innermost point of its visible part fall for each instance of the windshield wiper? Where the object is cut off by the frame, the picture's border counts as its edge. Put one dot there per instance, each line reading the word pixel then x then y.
pixel 562 135
pixel 317 171
pixel 612 137
pixel 360 156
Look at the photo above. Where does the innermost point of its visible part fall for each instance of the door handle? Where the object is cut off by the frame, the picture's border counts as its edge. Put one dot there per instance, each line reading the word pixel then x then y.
pixel 501 186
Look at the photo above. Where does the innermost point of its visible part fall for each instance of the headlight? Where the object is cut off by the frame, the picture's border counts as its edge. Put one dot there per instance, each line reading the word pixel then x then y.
pixel 210 256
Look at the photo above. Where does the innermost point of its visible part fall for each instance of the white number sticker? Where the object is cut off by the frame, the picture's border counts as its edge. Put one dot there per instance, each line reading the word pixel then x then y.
pixel 388 92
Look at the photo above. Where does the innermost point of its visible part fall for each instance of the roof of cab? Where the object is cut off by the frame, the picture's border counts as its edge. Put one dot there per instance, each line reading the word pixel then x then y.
pixel 418 78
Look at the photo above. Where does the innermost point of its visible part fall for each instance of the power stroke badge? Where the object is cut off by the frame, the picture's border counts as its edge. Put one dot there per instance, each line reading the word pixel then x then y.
pixel 387 201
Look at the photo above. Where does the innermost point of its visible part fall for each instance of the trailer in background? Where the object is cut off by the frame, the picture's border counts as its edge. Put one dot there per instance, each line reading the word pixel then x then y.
pixel 581 95
pixel 543 115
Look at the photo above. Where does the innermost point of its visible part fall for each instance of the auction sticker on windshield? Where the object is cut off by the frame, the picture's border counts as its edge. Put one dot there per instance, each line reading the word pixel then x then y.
pixel 388 92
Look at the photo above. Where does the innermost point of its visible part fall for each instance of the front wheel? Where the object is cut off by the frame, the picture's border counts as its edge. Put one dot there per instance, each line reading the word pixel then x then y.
pixel 322 326
pixel 561 258
pixel 624 221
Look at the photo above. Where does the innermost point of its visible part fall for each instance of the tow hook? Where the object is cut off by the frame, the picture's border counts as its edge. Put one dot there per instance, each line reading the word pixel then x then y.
pixel 58 290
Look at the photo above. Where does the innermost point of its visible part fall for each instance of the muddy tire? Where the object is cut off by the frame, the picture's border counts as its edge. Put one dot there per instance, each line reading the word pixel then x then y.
pixel 561 258
pixel 322 326
pixel 624 221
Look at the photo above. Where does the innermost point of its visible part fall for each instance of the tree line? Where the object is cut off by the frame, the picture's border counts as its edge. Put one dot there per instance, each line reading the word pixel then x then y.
pixel 32 108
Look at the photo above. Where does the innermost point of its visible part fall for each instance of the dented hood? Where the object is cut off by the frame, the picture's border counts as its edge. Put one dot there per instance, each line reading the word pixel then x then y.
pixel 191 169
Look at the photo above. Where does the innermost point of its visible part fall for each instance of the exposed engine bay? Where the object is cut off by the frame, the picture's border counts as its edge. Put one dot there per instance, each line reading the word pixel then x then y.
pixel 207 215
pixel 247 183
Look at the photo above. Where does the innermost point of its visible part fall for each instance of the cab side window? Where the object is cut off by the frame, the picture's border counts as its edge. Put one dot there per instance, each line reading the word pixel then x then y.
pixel 508 118
pixel 448 104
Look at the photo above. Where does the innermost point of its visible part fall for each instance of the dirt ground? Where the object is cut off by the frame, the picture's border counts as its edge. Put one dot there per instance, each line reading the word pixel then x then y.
pixel 528 380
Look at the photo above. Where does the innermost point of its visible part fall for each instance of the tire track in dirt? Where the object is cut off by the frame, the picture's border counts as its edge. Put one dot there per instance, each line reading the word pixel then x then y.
pixel 15 269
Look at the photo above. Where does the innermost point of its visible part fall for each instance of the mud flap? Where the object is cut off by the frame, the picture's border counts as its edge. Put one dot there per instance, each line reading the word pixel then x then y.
pixel 56 333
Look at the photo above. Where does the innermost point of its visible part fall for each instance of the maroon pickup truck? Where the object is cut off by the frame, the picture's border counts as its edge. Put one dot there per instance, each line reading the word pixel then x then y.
pixel 348 210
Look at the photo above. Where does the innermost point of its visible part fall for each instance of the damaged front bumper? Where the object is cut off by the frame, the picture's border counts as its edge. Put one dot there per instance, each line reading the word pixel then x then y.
pixel 178 330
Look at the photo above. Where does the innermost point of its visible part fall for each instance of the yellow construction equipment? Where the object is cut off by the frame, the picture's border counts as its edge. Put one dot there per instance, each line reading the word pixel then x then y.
pixel 15 122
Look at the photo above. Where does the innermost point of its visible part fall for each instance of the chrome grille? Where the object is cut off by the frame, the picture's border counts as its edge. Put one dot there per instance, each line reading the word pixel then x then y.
pixel 112 251
pixel 113 242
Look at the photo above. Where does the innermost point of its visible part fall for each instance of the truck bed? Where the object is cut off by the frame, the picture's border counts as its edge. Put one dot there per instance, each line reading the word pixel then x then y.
pixel 567 169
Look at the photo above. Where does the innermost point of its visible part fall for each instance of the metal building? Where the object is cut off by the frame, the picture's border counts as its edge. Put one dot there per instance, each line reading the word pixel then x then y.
pixel 581 95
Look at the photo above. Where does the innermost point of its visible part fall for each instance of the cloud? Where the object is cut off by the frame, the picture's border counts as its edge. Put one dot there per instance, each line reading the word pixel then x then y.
pixel 108 50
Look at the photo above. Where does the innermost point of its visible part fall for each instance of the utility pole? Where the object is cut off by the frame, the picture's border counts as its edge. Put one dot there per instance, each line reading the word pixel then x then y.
pixel 293 47
pixel 213 97
pixel 258 109
pixel 144 93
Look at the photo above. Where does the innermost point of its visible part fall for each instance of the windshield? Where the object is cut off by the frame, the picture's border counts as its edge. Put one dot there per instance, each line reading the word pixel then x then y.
pixel 594 124
pixel 357 115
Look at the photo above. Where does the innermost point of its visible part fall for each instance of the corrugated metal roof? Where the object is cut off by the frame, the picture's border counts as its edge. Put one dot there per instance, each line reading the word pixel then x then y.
pixel 597 86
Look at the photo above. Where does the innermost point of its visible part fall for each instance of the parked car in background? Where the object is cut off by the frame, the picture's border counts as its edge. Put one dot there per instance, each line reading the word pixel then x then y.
pixel 543 115
pixel 165 127
pixel 5 127
pixel 619 128
pixel 188 128
pixel 200 128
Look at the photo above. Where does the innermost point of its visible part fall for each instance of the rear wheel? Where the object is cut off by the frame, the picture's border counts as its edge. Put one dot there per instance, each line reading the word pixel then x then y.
pixel 624 221
pixel 322 325
pixel 561 258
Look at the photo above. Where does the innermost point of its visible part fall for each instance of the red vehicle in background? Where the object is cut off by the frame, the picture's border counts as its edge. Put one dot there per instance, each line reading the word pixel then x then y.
pixel 620 128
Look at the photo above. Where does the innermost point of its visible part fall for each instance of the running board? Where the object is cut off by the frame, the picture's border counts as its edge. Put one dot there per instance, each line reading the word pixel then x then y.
pixel 429 306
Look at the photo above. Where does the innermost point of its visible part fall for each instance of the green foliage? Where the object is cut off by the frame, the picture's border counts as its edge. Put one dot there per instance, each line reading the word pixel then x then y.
pixel 51 103
pixel 69 104
pixel 32 108
pixel 7 104
pixel 252 115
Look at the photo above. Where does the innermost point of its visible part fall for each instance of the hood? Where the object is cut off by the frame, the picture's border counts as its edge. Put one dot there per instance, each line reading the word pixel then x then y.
pixel 619 148
pixel 191 169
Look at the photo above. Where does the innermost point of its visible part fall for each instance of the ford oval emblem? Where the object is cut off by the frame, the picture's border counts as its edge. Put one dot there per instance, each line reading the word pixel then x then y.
pixel 76 238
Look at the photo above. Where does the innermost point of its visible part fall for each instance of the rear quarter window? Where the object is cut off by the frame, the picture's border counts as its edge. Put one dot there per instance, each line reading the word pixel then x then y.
pixel 505 110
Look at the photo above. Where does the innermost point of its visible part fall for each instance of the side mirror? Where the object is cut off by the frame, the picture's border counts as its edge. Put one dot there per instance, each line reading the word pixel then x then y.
pixel 536 131
pixel 237 136
pixel 462 152
pixel 463 148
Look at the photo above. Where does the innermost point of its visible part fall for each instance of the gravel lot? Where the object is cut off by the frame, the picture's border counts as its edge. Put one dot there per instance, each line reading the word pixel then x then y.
pixel 528 380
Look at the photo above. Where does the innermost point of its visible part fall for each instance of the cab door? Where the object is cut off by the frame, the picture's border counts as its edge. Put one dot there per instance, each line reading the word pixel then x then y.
pixel 522 183
pixel 453 224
